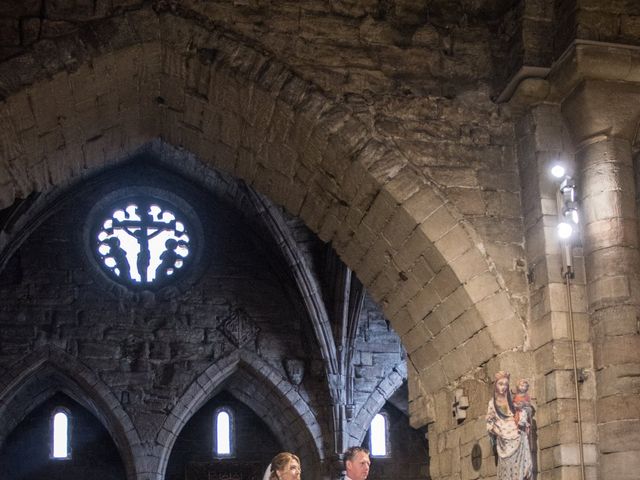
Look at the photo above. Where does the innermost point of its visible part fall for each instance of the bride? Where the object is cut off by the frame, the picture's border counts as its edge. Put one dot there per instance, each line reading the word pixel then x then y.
pixel 284 466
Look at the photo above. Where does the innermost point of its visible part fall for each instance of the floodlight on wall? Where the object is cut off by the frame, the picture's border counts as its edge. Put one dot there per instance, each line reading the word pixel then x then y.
pixel 568 215
pixel 568 220
pixel 558 170
pixel 565 230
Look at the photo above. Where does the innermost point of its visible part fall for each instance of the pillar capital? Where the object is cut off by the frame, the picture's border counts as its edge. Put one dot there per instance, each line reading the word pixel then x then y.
pixel 596 83
pixel 599 109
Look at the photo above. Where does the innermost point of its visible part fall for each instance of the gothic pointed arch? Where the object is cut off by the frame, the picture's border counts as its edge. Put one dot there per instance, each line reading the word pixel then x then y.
pixel 372 406
pixel 49 370
pixel 245 112
pixel 272 393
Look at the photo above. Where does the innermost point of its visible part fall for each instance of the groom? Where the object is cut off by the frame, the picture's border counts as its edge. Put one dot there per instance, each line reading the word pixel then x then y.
pixel 356 463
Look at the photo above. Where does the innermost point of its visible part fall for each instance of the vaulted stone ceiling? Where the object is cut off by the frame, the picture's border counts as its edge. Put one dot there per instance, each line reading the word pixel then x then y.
pixel 385 46
pixel 107 78
pixel 367 47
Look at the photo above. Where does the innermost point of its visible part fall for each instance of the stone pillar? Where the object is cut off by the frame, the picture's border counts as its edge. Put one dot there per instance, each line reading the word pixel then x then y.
pixel 543 139
pixel 612 268
pixel 602 119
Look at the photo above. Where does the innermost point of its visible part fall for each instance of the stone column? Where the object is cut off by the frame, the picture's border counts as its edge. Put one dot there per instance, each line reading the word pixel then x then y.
pixel 602 119
pixel 543 139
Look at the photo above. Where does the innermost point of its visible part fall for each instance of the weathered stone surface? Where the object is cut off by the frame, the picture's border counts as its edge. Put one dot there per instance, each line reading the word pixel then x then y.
pixel 559 356
pixel 155 349
pixel 564 409
pixel 375 122
pixel 620 465
pixel 620 436
pixel 618 407
pixel 617 350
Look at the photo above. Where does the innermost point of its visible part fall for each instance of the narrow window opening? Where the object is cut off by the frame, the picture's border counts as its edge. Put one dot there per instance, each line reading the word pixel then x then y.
pixel 60 435
pixel 223 433
pixel 379 436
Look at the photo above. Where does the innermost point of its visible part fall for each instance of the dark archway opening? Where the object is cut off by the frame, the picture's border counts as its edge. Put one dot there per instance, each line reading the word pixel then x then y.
pixel 26 454
pixel 407 448
pixel 253 445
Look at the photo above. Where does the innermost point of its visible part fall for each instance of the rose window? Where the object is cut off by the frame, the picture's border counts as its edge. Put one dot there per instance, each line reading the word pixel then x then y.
pixel 142 242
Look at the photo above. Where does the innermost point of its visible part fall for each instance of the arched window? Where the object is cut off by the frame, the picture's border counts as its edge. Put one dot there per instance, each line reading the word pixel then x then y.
pixel 378 436
pixel 223 428
pixel 60 433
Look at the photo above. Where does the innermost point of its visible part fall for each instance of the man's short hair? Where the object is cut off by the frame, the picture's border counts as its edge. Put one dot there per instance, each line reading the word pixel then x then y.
pixel 350 453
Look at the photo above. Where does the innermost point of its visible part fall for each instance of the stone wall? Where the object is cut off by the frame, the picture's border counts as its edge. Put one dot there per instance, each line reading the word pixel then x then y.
pixel 150 348
pixel 612 22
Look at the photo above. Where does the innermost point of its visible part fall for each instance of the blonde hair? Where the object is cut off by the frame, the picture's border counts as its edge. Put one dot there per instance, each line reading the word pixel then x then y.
pixel 280 462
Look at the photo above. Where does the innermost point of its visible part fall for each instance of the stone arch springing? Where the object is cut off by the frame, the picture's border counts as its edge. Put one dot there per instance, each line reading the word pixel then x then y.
pixel 294 414
pixel 51 370
pixel 246 113
pixel 287 425
pixel 383 391
pixel 270 219
pixel 308 285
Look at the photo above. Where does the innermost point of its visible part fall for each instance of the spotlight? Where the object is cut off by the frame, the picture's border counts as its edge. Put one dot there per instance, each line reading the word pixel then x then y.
pixel 558 171
pixel 565 230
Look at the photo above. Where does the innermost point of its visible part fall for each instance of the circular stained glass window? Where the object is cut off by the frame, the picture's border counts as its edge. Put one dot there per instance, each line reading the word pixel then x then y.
pixel 142 241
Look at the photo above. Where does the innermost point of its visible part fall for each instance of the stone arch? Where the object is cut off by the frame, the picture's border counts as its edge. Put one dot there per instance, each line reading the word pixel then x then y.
pixel 373 405
pixel 270 221
pixel 244 112
pixel 262 212
pixel 294 416
pixel 50 370
pixel 309 288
